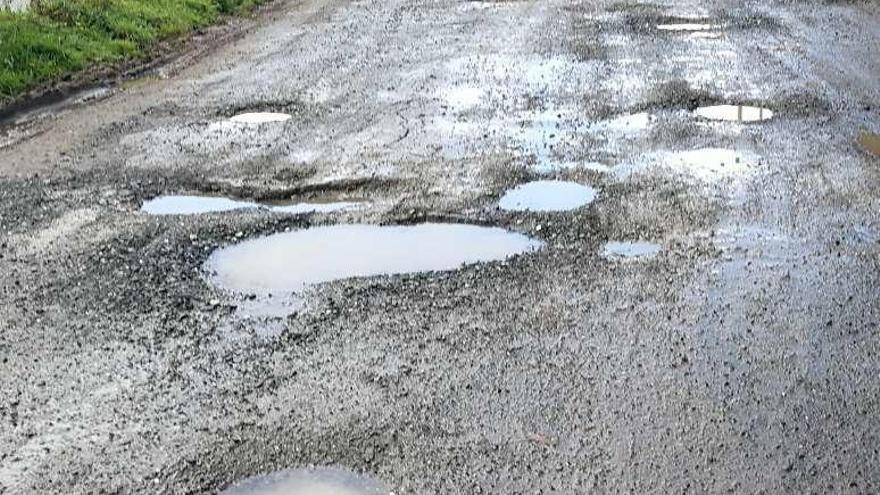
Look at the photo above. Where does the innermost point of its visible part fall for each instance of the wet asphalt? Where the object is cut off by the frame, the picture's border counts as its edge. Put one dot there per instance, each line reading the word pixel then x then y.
pixel 741 357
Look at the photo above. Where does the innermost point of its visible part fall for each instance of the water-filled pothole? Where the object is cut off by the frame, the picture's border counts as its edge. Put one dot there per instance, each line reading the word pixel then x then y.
pixel 196 205
pixel 688 27
pixel 735 113
pixel 312 481
pixel 288 262
pixel 709 164
pixel 260 118
pixel 870 142
pixel 630 250
pixel 547 195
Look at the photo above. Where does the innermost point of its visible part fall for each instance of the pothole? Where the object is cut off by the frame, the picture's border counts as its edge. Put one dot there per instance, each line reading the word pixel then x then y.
pixel 688 27
pixel 260 118
pixel 462 97
pixel 198 205
pixel 630 249
pixel 193 205
pixel 313 481
pixel 708 164
pixel 547 195
pixel 624 124
pixel 870 142
pixel 734 113
pixel 286 263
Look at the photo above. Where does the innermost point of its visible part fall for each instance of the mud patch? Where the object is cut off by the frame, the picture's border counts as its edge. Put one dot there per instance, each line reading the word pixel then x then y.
pixel 734 113
pixel 547 195
pixel 313 481
pixel 287 263
pixel 630 250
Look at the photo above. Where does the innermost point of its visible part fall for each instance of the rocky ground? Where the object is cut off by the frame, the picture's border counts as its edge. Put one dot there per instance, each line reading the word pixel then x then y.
pixel 743 357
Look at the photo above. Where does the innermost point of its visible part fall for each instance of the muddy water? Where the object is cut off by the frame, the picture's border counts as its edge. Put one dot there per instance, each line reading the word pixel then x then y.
pixel 196 205
pixel 289 262
pixel 734 113
pixel 870 142
pixel 630 250
pixel 547 195
pixel 314 481
pixel 260 118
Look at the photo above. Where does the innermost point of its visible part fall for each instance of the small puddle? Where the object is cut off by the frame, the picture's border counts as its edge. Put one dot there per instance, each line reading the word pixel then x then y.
pixel 734 113
pixel 624 124
pixel 260 118
pixel 462 97
pixel 193 205
pixel 630 250
pixel 708 164
pixel 547 195
pixel 198 205
pixel 289 262
pixel 688 27
pixel 313 481
pixel 870 142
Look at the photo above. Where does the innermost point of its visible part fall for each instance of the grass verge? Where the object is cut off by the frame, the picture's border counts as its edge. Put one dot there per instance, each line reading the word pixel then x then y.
pixel 55 38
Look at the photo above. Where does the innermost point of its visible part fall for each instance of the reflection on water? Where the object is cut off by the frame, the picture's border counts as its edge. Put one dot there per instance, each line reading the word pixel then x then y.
pixel 312 481
pixel 196 205
pixel 630 249
pixel 289 262
pixel 734 113
pixel 260 118
pixel 547 195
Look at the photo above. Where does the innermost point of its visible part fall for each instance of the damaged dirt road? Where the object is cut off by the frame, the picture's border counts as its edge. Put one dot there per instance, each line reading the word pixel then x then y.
pixel 736 349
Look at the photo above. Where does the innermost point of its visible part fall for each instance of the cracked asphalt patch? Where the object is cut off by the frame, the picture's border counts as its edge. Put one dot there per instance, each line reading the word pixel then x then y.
pixel 739 357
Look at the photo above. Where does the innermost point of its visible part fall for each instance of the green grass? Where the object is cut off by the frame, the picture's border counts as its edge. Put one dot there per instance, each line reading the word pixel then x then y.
pixel 58 37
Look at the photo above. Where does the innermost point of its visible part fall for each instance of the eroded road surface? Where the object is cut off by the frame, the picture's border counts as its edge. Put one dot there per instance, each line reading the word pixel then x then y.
pixel 598 246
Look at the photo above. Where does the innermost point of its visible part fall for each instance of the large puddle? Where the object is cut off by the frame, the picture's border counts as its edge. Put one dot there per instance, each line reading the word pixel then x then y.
pixel 547 195
pixel 288 262
pixel 314 481
pixel 734 113
pixel 197 205
pixel 630 250
pixel 870 142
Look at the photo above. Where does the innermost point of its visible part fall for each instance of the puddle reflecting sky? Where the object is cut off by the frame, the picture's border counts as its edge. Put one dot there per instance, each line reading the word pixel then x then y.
pixel 289 262
pixel 193 205
pixel 734 113
pixel 314 481
pixel 708 164
pixel 196 205
pixel 547 195
pixel 260 118
pixel 688 26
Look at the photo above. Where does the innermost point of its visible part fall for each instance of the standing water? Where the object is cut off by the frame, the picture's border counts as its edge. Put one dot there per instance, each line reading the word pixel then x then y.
pixel 289 262
pixel 314 481
pixel 260 118
pixel 734 113
pixel 547 195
